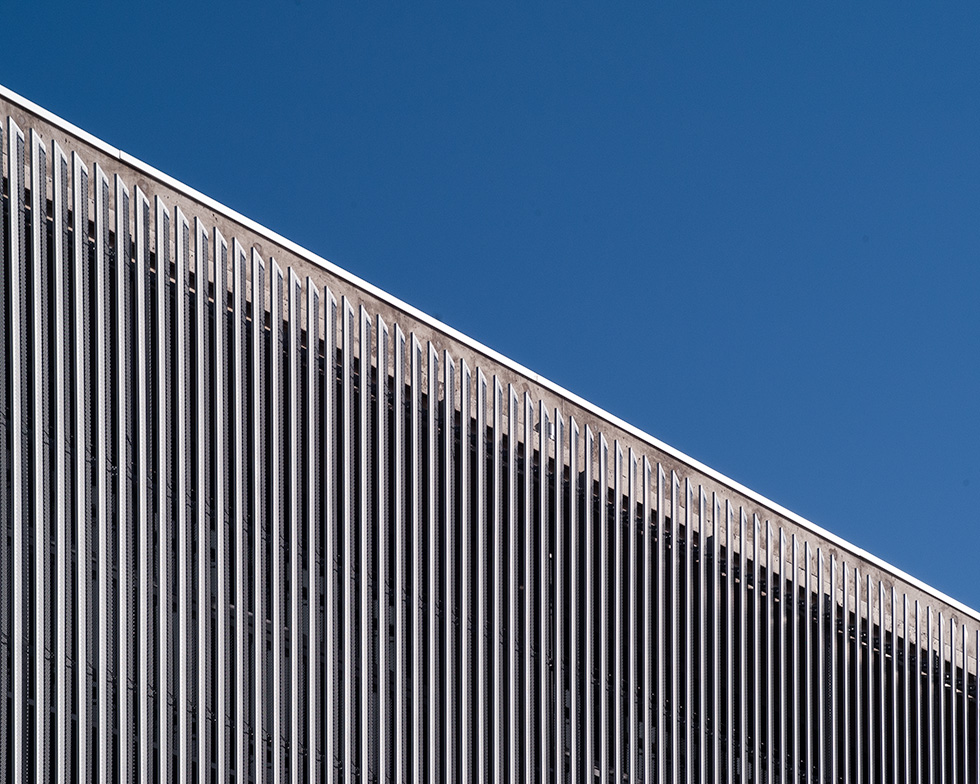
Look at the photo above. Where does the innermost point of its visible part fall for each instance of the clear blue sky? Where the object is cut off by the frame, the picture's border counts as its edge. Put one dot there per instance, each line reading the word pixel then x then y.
pixel 749 229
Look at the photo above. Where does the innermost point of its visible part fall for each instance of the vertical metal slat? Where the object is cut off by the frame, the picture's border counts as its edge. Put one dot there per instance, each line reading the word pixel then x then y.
pixel 363 522
pixel 882 715
pixel 687 663
pixel 576 769
pixel 41 481
pixel 59 173
pixel 277 518
pixel 757 648
pixel 349 559
pixel 295 447
pixel 632 687
pixel 785 603
pixel 616 664
pixel 592 711
pixel 141 309
pixel 869 680
pixel 238 351
pixel 846 673
pixel 793 608
pixel 661 704
pixel 364 761
pixel 703 614
pixel 857 724
pixel 808 767
pixel 729 670
pixel 484 631
pixel 434 712
pixel 18 459
pixel 558 662
pixel 907 688
pixel 834 668
pixel 717 750
pixel 498 638
pixel 332 751
pixel 448 557
pixel 819 768
pixel 544 621
pixel 123 478
pixel 382 456
pixel 468 653
pixel 513 647
pixel 182 493
pixel 894 687
pixel 223 716
pixel 164 487
pixel 18 330
pixel 402 586
pixel 418 610
pixel 941 685
pixel 673 718
pixel 201 657
pixel 647 697
pixel 744 729
pixel 102 468
pixel 259 391
pixel 770 675
pixel 605 677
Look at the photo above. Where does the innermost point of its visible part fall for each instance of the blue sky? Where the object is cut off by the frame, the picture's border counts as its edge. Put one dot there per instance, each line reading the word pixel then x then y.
pixel 751 231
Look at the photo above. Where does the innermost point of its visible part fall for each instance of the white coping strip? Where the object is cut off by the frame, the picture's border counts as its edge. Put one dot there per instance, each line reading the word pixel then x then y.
pixel 496 356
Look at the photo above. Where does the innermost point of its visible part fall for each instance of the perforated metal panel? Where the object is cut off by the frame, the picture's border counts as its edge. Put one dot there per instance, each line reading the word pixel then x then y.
pixel 262 525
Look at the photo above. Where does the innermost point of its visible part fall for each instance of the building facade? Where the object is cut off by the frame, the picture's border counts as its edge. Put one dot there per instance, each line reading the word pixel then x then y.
pixel 265 523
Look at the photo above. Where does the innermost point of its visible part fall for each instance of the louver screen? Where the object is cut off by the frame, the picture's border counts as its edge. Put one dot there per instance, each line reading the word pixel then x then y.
pixel 256 532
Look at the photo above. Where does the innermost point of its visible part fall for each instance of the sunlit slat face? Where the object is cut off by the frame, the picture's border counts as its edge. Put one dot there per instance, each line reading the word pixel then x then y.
pixel 257 532
pixel 18 460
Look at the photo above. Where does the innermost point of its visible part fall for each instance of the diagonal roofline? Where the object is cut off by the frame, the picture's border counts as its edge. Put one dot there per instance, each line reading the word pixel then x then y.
pixel 474 345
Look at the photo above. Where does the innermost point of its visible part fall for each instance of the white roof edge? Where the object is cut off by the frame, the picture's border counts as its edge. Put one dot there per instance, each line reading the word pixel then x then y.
pixel 496 356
